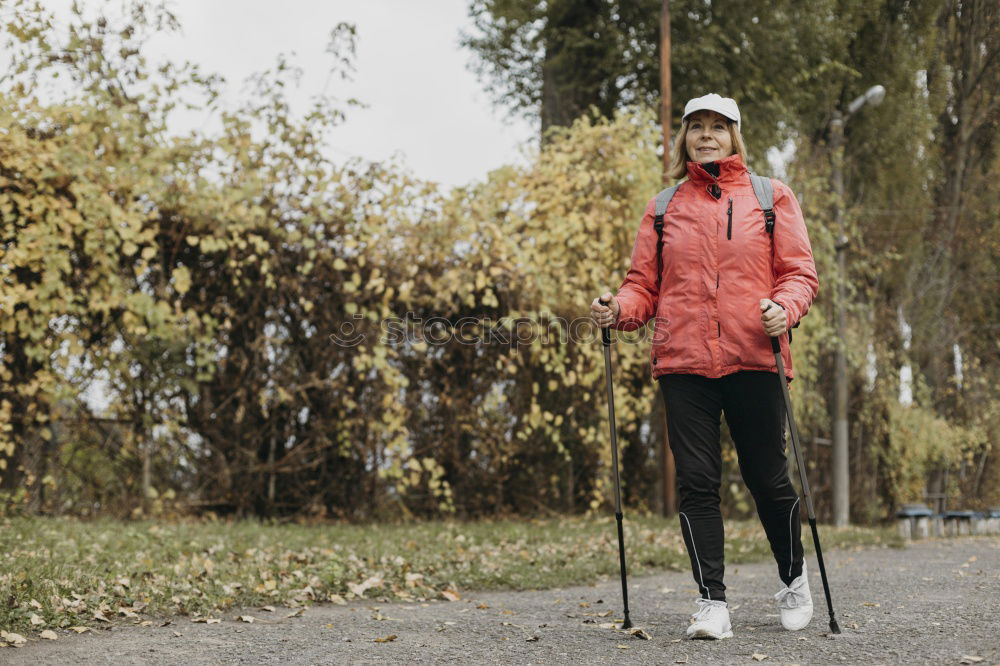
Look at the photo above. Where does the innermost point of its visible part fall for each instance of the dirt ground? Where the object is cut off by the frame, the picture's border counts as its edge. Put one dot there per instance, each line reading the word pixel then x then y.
pixel 935 602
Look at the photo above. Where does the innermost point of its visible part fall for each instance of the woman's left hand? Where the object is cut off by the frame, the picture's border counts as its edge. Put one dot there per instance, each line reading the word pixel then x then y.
pixel 773 318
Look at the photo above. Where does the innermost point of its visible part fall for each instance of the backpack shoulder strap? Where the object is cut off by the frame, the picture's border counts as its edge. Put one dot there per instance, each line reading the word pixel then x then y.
pixel 765 197
pixel 764 190
pixel 659 210
pixel 662 201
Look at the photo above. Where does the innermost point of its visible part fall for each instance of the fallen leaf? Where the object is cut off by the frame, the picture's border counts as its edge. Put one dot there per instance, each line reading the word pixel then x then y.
pixel 622 647
pixel 296 613
pixel 604 613
pixel 360 588
pixel 213 620
pixel 177 634
pixel 451 594
pixel 98 615
pixel 608 625
pixel 531 639
pixel 16 639
pixel 249 619
pixel 682 660
pixel 481 606
pixel 507 612
pixel 871 604
pixel 639 633
pixel 386 639
pixel 971 659
pixel 146 623
pixel 757 656
pixel 337 599
pixel 35 604
pixel 80 630
pixel 584 604
pixel 49 635
pixel 35 620
pixel 269 609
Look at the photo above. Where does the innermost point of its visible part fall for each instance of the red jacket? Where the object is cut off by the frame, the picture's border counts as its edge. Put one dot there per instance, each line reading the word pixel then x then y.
pixel 715 271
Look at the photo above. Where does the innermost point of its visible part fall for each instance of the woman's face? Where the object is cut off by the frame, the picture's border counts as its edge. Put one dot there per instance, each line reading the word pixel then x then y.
pixel 708 138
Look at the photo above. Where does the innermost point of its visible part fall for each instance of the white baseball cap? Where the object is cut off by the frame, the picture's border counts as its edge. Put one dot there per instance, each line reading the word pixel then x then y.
pixel 725 106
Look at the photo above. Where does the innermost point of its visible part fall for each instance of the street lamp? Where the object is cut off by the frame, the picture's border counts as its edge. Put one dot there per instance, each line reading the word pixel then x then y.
pixel 841 471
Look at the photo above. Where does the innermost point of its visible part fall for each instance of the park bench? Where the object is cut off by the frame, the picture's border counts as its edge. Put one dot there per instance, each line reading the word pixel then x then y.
pixel 918 521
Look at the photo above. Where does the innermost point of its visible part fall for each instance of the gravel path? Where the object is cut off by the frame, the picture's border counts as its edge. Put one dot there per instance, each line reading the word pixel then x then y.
pixel 936 602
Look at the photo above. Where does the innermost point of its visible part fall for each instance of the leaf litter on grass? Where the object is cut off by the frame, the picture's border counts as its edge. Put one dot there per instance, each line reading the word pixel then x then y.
pixel 200 568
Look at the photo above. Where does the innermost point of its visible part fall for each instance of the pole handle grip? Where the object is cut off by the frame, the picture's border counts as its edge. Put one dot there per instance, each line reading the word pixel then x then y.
pixel 605 332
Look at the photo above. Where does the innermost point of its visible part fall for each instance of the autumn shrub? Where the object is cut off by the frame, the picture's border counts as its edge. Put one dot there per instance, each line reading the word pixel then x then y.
pixel 232 323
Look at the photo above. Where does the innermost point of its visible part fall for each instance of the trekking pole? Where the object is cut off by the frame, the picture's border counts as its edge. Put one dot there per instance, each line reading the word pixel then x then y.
pixel 776 348
pixel 606 339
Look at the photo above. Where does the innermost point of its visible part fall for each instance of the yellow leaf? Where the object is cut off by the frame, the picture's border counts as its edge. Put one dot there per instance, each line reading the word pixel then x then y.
pixel 182 279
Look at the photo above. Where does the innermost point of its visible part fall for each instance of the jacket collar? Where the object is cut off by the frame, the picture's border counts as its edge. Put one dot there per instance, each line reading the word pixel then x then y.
pixel 731 169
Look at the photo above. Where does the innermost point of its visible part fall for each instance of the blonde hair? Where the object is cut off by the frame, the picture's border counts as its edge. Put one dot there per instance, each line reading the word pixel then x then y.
pixel 678 152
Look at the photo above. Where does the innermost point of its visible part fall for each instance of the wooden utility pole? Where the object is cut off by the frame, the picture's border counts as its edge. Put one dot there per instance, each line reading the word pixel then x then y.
pixel 667 471
pixel 665 85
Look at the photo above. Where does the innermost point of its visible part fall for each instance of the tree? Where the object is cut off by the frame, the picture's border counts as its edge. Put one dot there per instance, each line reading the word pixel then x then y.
pixel 554 60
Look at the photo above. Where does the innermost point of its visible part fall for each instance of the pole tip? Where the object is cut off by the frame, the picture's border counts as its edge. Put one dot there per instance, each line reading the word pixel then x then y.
pixel 627 624
pixel 834 627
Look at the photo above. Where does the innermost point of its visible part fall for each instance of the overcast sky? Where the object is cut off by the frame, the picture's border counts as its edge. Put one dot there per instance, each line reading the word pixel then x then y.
pixel 423 102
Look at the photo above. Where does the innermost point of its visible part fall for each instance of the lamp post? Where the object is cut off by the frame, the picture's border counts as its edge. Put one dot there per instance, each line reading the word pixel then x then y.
pixel 841 470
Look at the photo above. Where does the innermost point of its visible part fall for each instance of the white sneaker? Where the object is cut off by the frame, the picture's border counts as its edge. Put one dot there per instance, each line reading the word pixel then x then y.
pixel 711 620
pixel 795 603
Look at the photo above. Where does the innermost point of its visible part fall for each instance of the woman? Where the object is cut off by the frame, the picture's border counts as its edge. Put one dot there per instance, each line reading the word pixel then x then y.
pixel 727 285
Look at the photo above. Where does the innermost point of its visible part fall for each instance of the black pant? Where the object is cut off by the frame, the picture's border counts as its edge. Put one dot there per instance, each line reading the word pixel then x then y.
pixel 755 413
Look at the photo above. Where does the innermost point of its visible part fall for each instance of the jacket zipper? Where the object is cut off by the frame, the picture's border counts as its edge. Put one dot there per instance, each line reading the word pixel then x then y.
pixel 729 236
pixel 729 214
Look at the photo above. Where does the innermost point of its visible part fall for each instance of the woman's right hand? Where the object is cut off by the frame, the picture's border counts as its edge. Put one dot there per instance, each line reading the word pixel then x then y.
pixel 604 315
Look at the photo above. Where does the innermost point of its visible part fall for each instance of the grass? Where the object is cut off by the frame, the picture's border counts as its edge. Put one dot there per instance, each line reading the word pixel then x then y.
pixel 63 572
